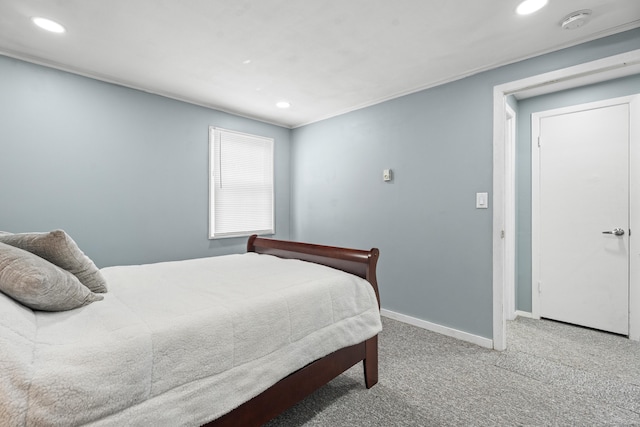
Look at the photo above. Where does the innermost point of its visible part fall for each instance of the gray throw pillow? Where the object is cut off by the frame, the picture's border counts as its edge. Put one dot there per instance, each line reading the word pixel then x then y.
pixel 58 248
pixel 39 284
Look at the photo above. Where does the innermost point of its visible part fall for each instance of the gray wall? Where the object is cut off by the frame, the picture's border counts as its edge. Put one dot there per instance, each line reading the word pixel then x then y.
pixel 436 248
pixel 122 171
pixel 611 89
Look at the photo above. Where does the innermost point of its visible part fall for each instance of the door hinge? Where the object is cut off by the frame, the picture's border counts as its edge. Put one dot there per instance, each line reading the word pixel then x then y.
pixel 539 287
pixel 538 142
pixel 502 234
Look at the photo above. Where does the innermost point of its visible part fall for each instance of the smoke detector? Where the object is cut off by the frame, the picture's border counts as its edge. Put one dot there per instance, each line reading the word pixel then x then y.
pixel 576 19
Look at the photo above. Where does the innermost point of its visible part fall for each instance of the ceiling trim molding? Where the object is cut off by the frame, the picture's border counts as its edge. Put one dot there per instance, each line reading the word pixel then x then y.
pixel 609 32
pixel 108 79
pixel 289 124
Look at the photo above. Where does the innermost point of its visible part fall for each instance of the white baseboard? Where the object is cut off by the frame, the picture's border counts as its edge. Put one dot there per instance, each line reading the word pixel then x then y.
pixel 524 314
pixel 434 327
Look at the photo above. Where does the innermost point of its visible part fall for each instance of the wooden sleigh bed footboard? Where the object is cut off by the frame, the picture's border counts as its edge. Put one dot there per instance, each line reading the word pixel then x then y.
pixel 300 384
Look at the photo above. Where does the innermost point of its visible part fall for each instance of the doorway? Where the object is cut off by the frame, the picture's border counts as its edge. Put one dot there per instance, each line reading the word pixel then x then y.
pixel 580 186
pixel 621 65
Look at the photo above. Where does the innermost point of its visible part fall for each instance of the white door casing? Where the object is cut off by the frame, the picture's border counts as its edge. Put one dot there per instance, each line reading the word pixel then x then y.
pixel 634 218
pixel 580 178
pixel 604 69
pixel 509 216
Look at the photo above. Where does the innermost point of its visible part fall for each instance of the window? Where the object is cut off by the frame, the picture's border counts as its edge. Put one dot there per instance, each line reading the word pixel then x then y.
pixel 241 184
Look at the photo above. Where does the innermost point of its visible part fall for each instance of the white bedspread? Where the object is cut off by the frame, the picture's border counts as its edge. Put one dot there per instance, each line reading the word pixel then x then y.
pixel 177 343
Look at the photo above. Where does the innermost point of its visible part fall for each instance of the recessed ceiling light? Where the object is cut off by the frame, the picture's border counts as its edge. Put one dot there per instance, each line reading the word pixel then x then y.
pixel 48 24
pixel 529 6
pixel 283 104
pixel 246 61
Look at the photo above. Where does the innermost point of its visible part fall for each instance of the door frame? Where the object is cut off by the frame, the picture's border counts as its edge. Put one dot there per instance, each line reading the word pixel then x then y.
pixel 615 66
pixel 634 308
pixel 510 215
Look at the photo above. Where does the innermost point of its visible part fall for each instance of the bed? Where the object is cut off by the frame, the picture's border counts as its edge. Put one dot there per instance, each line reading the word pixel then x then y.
pixel 229 340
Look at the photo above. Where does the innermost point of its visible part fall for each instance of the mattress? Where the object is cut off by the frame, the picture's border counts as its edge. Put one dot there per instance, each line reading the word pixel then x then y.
pixel 177 343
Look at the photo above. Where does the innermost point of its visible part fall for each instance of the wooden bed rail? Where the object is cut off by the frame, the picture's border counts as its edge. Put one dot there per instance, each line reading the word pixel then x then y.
pixel 355 261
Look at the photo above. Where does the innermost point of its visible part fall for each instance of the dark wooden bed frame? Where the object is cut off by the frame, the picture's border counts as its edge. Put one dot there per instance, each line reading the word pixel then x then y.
pixel 298 385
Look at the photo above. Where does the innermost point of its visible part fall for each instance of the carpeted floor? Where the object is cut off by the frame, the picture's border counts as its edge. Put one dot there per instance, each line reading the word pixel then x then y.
pixel 552 374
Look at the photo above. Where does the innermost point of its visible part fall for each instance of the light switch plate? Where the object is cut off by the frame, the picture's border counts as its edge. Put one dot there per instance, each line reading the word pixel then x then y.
pixel 482 200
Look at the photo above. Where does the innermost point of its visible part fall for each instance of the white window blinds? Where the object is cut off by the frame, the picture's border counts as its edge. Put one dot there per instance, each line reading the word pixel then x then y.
pixel 241 184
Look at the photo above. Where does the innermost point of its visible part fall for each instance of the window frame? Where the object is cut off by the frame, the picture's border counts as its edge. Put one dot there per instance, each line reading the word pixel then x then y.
pixel 215 136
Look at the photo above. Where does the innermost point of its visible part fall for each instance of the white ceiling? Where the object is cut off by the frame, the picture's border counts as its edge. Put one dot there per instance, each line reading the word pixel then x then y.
pixel 325 57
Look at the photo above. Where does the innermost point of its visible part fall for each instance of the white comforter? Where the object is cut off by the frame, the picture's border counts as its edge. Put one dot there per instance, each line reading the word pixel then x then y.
pixel 177 343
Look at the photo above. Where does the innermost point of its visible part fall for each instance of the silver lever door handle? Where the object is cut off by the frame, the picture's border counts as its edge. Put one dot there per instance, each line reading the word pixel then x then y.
pixel 616 231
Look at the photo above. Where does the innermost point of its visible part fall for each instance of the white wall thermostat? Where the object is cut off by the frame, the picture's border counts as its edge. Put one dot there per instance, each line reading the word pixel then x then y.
pixel 386 175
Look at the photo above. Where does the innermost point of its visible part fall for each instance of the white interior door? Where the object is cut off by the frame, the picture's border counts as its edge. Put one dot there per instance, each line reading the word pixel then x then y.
pixel 583 195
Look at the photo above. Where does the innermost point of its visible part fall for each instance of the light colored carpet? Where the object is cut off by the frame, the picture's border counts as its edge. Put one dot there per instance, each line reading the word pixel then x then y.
pixel 552 374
